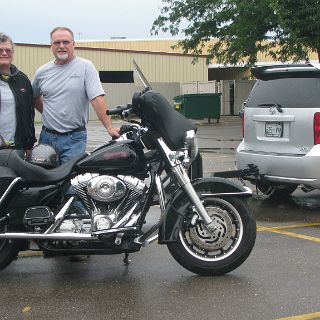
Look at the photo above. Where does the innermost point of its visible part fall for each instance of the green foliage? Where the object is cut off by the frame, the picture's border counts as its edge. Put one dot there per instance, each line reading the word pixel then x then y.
pixel 301 21
pixel 243 28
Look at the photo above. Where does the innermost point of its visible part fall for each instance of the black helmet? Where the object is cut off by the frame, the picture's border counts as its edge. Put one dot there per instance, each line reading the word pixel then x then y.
pixel 43 155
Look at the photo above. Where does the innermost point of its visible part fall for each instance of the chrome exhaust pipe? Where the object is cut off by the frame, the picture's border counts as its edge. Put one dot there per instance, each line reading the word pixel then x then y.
pixel 52 236
pixel 65 235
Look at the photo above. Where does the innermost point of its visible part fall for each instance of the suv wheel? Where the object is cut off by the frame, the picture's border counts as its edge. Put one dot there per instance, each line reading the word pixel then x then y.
pixel 270 191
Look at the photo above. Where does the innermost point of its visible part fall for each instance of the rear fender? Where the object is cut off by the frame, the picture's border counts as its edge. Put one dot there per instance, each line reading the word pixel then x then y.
pixel 177 206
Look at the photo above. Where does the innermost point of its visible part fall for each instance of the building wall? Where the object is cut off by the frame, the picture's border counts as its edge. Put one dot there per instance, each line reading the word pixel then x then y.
pixel 165 70
pixel 157 67
pixel 155 45
pixel 242 89
pixel 228 73
pixel 121 94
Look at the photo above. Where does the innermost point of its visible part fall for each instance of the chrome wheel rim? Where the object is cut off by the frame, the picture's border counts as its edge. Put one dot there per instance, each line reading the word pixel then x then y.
pixel 206 246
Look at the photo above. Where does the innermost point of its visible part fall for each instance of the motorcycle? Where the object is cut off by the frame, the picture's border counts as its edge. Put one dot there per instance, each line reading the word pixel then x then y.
pixel 205 222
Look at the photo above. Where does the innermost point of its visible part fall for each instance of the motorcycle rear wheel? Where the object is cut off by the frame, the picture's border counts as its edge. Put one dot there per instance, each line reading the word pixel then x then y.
pixel 213 254
pixel 8 252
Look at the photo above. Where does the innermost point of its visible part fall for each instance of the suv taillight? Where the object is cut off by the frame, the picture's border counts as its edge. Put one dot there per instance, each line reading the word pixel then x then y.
pixel 242 123
pixel 316 128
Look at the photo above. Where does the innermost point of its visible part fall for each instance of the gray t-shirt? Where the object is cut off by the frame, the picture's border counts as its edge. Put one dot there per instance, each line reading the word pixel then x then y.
pixel 8 120
pixel 67 90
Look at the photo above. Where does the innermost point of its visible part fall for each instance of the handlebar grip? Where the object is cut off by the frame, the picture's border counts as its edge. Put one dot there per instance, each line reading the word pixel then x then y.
pixel 122 111
pixel 117 111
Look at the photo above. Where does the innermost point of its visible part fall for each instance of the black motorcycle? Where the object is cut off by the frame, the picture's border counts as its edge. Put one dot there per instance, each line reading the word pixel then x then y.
pixel 205 223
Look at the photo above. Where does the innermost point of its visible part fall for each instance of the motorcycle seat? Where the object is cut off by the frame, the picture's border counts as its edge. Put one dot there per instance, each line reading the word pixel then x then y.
pixel 34 174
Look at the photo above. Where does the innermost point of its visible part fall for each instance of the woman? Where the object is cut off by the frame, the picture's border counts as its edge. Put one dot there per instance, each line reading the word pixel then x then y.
pixel 16 100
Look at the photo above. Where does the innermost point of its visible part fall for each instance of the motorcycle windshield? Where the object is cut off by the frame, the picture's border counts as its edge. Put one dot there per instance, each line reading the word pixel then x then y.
pixel 169 123
pixel 139 76
pixel 157 111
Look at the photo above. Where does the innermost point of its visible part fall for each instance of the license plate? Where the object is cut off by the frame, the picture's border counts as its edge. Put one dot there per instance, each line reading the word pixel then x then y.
pixel 273 129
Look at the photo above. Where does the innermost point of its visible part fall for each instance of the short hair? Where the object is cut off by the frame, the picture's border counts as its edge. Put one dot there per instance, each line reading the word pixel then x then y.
pixel 61 28
pixel 5 38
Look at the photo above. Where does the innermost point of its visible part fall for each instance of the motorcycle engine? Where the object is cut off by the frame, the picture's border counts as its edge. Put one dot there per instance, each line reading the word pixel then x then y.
pixel 106 188
pixel 107 199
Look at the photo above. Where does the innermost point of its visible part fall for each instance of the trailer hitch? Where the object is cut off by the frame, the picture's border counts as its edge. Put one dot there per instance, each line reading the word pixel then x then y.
pixel 252 170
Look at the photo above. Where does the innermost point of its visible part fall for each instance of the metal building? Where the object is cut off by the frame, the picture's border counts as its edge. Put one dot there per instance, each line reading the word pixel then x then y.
pixel 157 66
pixel 165 71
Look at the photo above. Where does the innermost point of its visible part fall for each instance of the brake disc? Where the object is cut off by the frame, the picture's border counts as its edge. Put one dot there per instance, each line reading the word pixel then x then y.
pixel 220 237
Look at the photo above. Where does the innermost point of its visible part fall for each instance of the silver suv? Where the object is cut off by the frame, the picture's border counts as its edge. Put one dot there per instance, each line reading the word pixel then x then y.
pixel 281 129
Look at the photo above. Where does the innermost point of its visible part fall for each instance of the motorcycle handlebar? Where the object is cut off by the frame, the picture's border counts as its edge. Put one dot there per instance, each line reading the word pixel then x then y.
pixel 121 110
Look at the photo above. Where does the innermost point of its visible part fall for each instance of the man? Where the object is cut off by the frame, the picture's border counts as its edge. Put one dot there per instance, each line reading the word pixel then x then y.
pixel 63 89
pixel 16 102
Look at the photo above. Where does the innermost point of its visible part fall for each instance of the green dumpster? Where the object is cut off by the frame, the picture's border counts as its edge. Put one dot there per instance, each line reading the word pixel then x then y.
pixel 199 106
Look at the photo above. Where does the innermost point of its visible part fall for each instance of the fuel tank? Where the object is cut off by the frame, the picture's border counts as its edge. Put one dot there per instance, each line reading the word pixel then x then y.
pixel 124 157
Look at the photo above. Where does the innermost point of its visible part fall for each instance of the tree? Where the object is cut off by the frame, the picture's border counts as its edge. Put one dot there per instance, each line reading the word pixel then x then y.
pixel 242 29
pixel 301 20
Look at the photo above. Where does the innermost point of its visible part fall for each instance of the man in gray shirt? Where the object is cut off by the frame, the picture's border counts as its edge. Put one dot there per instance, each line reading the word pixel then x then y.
pixel 63 89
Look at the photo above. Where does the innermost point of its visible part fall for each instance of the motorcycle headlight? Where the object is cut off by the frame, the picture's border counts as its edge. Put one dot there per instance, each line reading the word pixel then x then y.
pixel 191 144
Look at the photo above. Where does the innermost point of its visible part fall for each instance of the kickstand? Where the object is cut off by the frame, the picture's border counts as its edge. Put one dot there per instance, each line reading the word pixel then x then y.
pixel 126 259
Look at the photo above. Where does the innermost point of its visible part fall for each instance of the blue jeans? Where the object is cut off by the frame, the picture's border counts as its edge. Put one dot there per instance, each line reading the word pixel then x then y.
pixel 67 146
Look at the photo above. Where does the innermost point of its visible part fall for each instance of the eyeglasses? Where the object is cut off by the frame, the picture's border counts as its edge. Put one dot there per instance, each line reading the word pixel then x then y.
pixel 7 51
pixel 64 42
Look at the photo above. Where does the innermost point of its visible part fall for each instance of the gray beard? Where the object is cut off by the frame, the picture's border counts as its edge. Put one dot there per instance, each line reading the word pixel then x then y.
pixel 62 57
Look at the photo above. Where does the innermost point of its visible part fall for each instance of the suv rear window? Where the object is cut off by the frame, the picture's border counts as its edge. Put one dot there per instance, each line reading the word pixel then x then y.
pixel 288 92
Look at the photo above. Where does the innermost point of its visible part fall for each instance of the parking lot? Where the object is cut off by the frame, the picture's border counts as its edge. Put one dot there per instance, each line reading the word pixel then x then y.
pixel 279 280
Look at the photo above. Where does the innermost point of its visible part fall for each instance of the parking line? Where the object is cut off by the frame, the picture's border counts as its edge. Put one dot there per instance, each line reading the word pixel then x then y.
pixel 315 224
pixel 280 230
pixel 293 226
pixel 296 235
pixel 25 254
pixel 307 316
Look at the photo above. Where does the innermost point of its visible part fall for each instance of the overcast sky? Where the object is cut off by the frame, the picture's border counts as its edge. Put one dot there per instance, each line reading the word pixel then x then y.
pixel 30 21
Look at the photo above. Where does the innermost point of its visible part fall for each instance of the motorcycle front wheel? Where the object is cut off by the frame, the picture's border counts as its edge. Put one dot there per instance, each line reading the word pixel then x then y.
pixel 220 252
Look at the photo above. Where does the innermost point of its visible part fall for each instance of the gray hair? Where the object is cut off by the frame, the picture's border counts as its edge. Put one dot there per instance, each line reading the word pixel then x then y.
pixel 61 28
pixel 5 38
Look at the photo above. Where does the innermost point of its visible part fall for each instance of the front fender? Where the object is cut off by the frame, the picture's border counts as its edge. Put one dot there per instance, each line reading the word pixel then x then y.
pixel 177 206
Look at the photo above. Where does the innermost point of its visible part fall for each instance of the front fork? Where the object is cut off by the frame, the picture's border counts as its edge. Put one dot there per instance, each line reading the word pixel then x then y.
pixel 184 180
pixel 182 177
